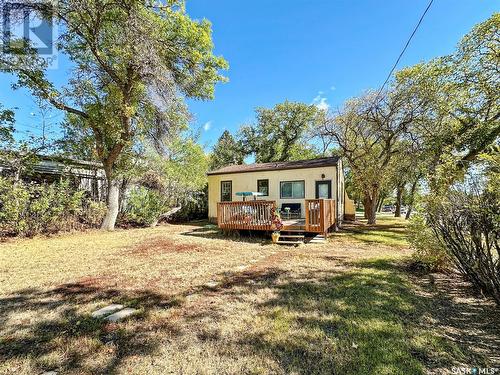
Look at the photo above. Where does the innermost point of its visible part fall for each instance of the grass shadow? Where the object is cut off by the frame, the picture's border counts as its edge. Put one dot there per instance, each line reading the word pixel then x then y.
pixel 213 232
pixel 57 335
pixel 368 320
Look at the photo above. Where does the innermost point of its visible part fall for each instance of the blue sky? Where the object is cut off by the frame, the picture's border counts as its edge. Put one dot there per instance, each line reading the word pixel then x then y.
pixel 321 51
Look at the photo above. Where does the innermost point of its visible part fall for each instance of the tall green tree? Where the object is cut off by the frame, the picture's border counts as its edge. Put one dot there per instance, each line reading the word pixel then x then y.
pixel 461 92
pixel 227 151
pixel 279 133
pixel 369 131
pixel 132 59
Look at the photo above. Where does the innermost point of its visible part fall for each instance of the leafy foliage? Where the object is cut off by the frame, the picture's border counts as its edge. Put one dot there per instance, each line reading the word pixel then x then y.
pixel 429 251
pixel 144 206
pixel 461 95
pixel 170 175
pixel 370 132
pixel 227 151
pixel 132 62
pixel 6 125
pixel 279 134
pixel 28 209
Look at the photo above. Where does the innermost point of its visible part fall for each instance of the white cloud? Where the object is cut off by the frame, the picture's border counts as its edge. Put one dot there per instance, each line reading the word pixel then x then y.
pixel 333 88
pixel 207 126
pixel 321 102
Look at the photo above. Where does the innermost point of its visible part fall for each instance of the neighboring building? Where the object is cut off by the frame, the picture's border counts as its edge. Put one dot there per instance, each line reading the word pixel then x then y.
pixel 84 175
pixel 310 195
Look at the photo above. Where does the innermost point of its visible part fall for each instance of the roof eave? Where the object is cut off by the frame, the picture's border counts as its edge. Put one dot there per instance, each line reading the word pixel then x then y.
pixel 331 164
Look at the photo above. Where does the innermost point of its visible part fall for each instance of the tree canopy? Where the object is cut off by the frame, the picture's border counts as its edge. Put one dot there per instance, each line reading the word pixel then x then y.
pixel 279 133
pixel 133 61
pixel 227 151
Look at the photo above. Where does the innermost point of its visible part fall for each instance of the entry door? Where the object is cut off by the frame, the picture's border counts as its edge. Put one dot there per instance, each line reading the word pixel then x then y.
pixel 323 190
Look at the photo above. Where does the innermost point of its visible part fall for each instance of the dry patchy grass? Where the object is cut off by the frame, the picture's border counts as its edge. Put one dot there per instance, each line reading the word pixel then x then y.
pixel 348 306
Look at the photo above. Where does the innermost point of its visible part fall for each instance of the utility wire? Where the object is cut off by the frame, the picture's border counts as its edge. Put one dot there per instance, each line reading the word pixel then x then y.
pixel 405 47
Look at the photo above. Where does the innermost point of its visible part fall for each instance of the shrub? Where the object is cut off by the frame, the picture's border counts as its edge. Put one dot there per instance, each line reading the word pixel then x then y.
pixel 93 212
pixel 468 223
pixel 145 206
pixel 53 208
pixel 429 252
pixel 14 203
pixel 27 209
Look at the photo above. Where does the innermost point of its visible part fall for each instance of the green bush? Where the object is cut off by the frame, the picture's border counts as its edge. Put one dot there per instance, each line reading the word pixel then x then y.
pixel 429 252
pixel 27 209
pixel 145 206
pixel 14 203
pixel 93 213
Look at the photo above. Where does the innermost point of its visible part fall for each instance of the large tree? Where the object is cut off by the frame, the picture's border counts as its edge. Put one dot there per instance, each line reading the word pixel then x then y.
pixel 227 151
pixel 461 93
pixel 279 133
pixel 369 131
pixel 132 60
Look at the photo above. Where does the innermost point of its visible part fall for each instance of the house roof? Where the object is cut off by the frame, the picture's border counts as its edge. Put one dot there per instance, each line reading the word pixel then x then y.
pixel 277 165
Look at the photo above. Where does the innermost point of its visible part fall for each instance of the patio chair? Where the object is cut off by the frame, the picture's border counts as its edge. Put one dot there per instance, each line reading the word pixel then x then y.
pixel 291 210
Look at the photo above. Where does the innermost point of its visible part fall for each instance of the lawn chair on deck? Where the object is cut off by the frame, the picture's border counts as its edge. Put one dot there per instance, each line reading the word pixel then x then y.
pixel 291 210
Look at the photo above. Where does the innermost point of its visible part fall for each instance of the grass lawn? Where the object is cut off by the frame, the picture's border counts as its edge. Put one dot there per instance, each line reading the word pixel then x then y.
pixel 215 305
pixel 389 230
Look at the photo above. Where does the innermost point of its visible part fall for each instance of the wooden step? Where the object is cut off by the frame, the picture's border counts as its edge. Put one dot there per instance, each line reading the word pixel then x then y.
pixel 294 228
pixel 292 235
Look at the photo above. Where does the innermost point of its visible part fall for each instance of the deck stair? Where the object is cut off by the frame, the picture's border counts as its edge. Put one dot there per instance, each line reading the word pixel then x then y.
pixel 291 238
pixel 318 239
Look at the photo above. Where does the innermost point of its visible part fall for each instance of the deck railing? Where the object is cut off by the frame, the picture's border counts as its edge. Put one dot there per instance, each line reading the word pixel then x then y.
pixel 257 215
pixel 251 215
pixel 320 215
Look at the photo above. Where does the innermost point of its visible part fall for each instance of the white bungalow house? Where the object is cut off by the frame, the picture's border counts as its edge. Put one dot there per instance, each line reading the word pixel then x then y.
pixel 309 195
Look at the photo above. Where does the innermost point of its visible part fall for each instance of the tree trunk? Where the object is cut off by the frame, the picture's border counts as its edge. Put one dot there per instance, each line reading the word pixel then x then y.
pixel 370 203
pixel 412 197
pixel 408 212
pixel 380 203
pixel 399 198
pixel 113 202
pixel 123 188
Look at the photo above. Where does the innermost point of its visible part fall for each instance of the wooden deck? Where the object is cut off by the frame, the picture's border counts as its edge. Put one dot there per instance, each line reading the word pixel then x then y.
pixel 257 215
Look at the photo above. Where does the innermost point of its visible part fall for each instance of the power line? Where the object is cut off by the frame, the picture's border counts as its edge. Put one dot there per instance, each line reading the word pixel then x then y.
pixel 405 47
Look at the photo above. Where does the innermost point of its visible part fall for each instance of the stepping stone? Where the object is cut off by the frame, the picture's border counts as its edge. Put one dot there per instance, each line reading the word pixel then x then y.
pixel 211 284
pixel 191 297
pixel 106 311
pixel 122 314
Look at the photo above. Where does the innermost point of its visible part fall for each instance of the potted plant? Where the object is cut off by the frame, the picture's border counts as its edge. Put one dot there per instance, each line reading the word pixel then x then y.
pixel 276 225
